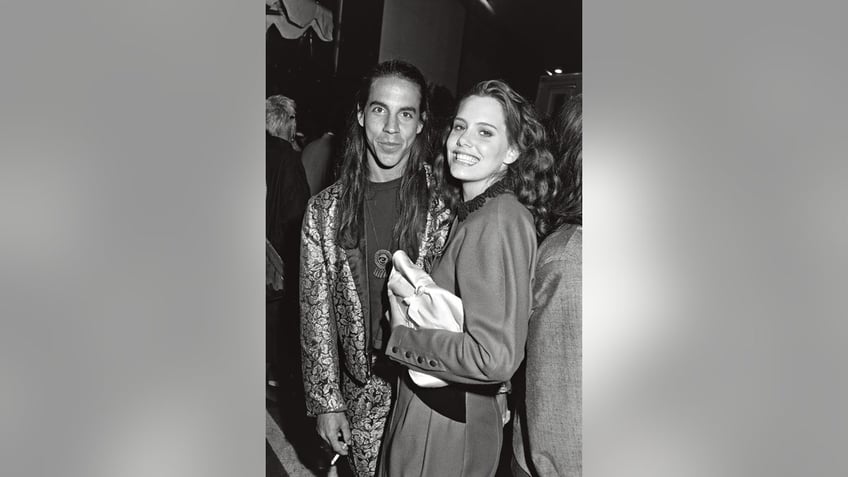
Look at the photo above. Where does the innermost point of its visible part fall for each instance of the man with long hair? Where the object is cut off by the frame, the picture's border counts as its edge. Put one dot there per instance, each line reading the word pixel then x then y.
pixel 382 202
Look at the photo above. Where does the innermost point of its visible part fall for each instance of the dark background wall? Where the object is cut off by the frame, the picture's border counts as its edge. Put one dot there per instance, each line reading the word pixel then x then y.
pixel 456 43
pixel 491 51
pixel 427 33
pixel 520 41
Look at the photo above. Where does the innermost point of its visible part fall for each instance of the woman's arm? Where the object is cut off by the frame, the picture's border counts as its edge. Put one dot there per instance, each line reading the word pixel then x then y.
pixel 493 277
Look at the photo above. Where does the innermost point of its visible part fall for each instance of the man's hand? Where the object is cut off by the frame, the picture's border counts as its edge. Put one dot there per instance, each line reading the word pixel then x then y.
pixel 335 430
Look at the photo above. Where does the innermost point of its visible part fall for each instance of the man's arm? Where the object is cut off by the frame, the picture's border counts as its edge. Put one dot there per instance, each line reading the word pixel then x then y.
pixel 318 334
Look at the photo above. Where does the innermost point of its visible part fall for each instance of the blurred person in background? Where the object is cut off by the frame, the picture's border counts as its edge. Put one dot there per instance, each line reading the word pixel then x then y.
pixel 547 433
pixel 318 156
pixel 382 201
pixel 285 201
pixel 501 180
pixel 442 109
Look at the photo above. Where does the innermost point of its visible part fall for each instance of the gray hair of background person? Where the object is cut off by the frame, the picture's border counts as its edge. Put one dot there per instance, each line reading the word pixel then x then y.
pixel 280 117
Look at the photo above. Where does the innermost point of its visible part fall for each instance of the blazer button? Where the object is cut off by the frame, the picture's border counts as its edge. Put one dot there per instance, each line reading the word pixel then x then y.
pixel 394 349
pixel 408 354
pixel 420 360
pixel 433 363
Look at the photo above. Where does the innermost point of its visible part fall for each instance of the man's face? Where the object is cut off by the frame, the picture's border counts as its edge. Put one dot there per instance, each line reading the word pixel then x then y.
pixel 391 119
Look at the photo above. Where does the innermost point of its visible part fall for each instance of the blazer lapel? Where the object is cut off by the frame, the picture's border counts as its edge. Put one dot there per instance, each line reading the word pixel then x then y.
pixel 360 282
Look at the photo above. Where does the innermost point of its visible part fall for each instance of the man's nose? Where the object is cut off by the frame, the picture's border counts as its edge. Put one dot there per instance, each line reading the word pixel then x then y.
pixel 391 125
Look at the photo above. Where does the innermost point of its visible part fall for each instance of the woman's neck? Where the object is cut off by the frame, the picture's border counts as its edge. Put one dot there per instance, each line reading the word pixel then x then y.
pixel 470 190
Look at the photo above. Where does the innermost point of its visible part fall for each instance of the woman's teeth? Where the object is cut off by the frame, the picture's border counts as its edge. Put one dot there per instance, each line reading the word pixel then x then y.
pixel 465 158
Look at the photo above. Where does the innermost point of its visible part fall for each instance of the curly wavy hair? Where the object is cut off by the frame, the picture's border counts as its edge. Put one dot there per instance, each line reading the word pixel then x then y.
pixel 567 147
pixel 353 167
pixel 532 175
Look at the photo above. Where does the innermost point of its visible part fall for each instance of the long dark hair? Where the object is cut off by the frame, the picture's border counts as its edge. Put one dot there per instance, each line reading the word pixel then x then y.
pixel 567 147
pixel 531 176
pixel 353 170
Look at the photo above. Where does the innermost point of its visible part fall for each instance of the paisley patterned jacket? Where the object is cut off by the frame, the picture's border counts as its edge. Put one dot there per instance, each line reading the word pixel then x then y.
pixel 333 302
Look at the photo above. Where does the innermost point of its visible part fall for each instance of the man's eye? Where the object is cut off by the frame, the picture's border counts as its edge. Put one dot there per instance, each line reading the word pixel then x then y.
pixel 377 109
pixel 407 115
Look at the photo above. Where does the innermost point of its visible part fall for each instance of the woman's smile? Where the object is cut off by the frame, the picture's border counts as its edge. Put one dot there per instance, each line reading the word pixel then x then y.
pixel 465 159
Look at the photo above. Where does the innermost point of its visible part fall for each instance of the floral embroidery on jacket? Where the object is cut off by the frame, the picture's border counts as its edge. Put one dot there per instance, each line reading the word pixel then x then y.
pixel 332 322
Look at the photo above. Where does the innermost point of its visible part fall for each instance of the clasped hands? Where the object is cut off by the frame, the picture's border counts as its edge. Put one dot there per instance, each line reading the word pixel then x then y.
pixel 417 302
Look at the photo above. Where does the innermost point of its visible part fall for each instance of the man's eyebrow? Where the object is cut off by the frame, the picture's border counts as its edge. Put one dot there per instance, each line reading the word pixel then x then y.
pixel 384 105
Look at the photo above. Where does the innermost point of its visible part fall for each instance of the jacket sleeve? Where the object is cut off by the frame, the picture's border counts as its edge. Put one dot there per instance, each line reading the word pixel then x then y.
pixel 554 360
pixel 493 274
pixel 318 333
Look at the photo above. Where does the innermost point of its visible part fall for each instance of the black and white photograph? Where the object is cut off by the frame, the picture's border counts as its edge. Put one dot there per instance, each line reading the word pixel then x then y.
pixel 434 303
pixel 423 238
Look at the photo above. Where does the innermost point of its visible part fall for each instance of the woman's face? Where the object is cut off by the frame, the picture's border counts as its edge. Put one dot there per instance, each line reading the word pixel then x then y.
pixel 478 145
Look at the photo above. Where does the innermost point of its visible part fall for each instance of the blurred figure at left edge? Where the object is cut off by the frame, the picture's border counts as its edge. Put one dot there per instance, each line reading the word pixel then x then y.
pixel 287 191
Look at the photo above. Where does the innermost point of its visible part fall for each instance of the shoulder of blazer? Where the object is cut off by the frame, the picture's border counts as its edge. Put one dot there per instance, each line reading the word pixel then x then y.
pixel 323 205
pixel 327 196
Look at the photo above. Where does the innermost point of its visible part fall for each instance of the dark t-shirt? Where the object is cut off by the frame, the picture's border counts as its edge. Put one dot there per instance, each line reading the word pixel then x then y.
pixel 381 213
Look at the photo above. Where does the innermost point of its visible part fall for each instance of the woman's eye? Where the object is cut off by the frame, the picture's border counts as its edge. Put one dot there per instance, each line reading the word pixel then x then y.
pixel 458 127
pixel 485 133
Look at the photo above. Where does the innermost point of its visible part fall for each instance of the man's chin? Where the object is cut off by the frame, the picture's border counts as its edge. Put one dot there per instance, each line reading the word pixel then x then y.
pixel 389 161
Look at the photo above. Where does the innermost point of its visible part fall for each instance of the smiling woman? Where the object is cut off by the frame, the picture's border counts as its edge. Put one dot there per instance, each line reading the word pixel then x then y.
pixel 478 147
pixel 496 152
